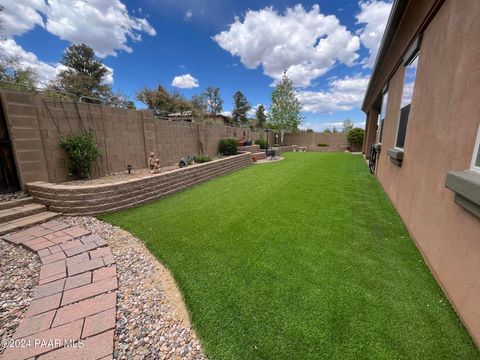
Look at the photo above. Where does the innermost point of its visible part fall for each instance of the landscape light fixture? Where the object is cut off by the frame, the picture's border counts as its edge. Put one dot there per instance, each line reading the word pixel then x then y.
pixel 129 168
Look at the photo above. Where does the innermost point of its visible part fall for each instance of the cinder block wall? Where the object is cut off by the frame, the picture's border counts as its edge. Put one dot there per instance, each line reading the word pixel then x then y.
pixel 22 125
pixel 123 136
pixel 335 141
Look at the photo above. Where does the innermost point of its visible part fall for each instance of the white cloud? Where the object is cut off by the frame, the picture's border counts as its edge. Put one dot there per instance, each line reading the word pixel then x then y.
pixel 253 111
pixel 304 43
pixel 342 95
pixel 20 17
pixel 374 14
pixel 45 71
pixel 185 81
pixel 226 113
pixel 188 15
pixel 108 78
pixel 321 126
pixel 104 25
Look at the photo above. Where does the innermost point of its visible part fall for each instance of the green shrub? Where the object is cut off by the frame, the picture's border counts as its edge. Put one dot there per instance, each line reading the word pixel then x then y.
pixel 276 145
pixel 227 147
pixel 262 143
pixel 81 152
pixel 202 159
pixel 355 136
pixel 322 144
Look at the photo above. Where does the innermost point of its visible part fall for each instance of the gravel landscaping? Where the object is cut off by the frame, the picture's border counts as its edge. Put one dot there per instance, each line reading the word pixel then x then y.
pixel 12 196
pixel 18 278
pixel 152 321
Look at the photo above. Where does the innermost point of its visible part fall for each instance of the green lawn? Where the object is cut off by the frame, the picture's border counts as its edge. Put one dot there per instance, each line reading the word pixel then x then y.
pixel 300 259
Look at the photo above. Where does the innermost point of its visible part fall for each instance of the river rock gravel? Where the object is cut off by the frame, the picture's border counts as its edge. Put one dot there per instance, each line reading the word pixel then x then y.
pixel 12 196
pixel 152 322
pixel 19 270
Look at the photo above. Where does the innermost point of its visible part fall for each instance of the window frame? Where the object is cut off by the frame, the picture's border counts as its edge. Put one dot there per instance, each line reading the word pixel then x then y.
pixel 415 55
pixel 476 154
pixel 382 116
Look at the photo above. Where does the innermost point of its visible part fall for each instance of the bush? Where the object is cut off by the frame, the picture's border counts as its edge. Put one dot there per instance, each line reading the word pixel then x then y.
pixel 202 159
pixel 322 144
pixel 262 143
pixel 81 152
pixel 227 147
pixel 355 136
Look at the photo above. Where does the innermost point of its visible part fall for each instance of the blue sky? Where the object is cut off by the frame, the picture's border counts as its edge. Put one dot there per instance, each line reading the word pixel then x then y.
pixel 327 47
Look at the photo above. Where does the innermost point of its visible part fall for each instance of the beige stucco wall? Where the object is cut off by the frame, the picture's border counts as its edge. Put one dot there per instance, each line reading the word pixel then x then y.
pixel 124 136
pixel 442 127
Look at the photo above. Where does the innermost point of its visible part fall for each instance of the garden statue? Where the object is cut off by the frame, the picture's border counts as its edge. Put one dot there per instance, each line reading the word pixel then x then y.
pixel 185 161
pixel 156 166
pixel 151 161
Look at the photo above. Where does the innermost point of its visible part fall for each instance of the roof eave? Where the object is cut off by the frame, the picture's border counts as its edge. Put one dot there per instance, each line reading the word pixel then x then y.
pixel 394 18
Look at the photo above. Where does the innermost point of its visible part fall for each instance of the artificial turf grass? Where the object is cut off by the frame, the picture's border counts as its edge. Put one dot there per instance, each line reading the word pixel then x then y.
pixel 300 259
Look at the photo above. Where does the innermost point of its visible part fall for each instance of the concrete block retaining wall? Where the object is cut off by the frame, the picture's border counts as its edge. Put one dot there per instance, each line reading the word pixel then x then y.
pixel 251 148
pixel 123 136
pixel 101 198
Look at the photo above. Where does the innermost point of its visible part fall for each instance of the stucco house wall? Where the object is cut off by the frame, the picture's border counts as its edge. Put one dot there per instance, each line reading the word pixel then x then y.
pixel 442 127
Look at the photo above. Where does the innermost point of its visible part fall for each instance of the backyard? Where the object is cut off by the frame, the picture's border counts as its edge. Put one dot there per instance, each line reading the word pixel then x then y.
pixel 300 259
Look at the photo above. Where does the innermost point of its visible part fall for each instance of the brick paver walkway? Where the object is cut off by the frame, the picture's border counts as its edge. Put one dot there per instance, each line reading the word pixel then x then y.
pixel 72 315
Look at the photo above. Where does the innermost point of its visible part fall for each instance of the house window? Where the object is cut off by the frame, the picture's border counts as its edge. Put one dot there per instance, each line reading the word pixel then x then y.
pixel 381 117
pixel 476 154
pixel 407 93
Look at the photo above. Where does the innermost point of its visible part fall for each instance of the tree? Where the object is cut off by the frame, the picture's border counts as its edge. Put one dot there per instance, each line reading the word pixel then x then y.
pixel 180 104
pixel 334 129
pixel 11 71
pixel 162 102
pixel 240 108
pixel 347 125
pixel 261 116
pixel 199 104
pixel 84 75
pixel 309 131
pixel 213 99
pixel 285 110
pixel 327 131
pixel 10 68
pixel 355 136
pixel 155 99
pixel 121 101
